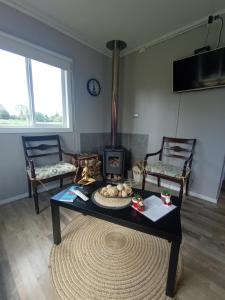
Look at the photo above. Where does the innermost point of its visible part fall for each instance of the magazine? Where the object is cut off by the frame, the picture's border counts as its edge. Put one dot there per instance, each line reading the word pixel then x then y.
pixel 67 195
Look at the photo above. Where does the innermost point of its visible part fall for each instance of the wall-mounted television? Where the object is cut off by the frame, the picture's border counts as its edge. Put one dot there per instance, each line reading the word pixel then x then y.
pixel 201 71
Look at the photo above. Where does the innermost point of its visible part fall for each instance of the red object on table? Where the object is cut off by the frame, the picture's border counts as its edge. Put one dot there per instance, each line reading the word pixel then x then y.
pixel 137 203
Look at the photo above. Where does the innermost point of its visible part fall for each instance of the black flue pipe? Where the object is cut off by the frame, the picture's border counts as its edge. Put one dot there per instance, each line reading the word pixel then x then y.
pixel 116 46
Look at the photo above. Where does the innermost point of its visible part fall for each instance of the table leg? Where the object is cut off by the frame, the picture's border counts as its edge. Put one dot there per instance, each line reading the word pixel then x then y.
pixel 56 224
pixel 172 270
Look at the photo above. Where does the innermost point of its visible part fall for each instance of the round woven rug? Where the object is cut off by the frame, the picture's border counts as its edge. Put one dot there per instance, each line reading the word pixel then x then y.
pixel 98 260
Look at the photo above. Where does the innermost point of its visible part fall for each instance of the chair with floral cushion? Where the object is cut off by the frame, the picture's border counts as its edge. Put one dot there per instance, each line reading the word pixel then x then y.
pixel 37 147
pixel 167 166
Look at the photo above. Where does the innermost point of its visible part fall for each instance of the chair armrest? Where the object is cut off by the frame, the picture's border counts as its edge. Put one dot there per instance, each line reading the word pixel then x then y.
pixel 73 156
pixel 69 154
pixel 30 163
pixel 151 154
pixel 187 161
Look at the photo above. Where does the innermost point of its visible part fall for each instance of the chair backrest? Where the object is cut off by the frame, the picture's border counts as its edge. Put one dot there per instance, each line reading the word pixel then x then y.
pixel 34 146
pixel 177 148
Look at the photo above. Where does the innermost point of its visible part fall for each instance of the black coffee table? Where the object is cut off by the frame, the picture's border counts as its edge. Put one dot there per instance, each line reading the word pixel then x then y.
pixel 168 227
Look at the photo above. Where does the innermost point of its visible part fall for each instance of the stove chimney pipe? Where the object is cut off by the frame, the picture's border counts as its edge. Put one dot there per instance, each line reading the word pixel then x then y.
pixel 116 46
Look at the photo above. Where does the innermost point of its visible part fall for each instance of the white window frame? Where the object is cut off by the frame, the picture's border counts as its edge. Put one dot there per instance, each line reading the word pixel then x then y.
pixel 31 51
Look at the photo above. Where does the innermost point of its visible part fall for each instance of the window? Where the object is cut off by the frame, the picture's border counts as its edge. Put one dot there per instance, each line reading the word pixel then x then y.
pixel 14 99
pixel 34 93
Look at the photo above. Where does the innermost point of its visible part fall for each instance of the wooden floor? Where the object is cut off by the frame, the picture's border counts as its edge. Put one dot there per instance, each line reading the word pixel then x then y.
pixel 26 240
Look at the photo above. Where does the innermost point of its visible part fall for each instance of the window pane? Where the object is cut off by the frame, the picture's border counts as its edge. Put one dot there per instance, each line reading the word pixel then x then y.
pixel 14 103
pixel 47 87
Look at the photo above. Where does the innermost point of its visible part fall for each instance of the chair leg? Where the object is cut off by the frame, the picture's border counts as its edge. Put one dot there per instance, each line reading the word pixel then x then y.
pixel 143 181
pixel 187 186
pixel 61 182
pixel 29 187
pixel 35 196
pixel 158 182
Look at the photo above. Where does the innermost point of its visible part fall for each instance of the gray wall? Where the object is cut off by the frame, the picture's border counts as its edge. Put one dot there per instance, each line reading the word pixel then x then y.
pixel 90 113
pixel 147 89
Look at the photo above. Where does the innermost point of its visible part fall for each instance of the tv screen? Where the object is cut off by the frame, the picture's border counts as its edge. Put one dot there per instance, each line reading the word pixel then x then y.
pixel 201 71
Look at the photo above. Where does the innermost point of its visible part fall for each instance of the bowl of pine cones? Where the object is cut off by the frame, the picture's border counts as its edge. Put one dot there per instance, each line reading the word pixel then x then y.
pixel 113 196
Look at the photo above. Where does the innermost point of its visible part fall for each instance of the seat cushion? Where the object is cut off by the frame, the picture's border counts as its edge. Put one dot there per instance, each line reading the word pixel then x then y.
pixel 49 171
pixel 163 168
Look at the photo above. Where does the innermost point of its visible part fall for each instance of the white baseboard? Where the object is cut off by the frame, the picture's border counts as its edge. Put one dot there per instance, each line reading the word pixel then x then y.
pixel 163 184
pixel 203 197
pixel 50 186
pixel 176 188
pixel 14 198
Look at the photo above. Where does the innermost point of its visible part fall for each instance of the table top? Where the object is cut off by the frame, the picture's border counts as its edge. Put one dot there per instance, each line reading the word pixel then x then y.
pixel 168 227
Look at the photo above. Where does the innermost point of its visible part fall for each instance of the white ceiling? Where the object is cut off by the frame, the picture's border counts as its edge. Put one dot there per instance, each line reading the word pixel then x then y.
pixel 138 22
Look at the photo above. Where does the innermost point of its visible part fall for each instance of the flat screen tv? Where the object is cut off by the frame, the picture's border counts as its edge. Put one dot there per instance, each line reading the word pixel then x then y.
pixel 201 71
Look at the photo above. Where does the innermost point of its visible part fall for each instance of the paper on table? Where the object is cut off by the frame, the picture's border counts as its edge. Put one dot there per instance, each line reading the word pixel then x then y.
pixel 155 209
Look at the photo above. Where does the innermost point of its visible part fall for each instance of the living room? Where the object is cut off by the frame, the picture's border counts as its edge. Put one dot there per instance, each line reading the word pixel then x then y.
pixel 148 110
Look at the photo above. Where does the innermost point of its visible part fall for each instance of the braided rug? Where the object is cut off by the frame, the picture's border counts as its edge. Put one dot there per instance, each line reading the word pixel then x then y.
pixel 98 260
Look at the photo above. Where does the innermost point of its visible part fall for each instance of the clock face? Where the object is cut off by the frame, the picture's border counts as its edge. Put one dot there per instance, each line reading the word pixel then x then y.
pixel 93 87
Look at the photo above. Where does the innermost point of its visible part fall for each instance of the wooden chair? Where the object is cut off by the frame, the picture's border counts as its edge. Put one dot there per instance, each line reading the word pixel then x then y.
pixel 34 146
pixel 172 148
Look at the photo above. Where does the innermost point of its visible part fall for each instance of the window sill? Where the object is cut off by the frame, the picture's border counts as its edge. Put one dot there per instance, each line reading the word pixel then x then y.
pixel 34 130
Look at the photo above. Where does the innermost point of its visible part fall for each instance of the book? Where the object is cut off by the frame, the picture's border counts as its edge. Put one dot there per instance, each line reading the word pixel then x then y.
pixel 67 195
pixel 155 209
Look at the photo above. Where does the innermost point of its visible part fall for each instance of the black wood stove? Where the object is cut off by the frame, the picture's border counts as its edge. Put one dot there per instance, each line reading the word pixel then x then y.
pixel 114 155
pixel 113 164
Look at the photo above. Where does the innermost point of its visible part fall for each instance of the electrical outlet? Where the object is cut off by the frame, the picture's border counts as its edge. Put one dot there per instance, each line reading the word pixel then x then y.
pixel 135 115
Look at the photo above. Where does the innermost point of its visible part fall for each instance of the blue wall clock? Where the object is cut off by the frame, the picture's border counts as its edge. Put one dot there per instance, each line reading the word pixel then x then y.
pixel 93 87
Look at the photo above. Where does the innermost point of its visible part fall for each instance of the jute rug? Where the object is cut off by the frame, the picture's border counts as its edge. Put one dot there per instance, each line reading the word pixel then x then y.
pixel 98 260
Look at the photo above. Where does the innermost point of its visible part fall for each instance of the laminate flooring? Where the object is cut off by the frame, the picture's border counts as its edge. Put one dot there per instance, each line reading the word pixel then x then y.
pixel 26 241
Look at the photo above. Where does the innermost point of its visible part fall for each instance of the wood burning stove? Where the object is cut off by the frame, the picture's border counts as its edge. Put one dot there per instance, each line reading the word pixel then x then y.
pixel 113 164
pixel 114 156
